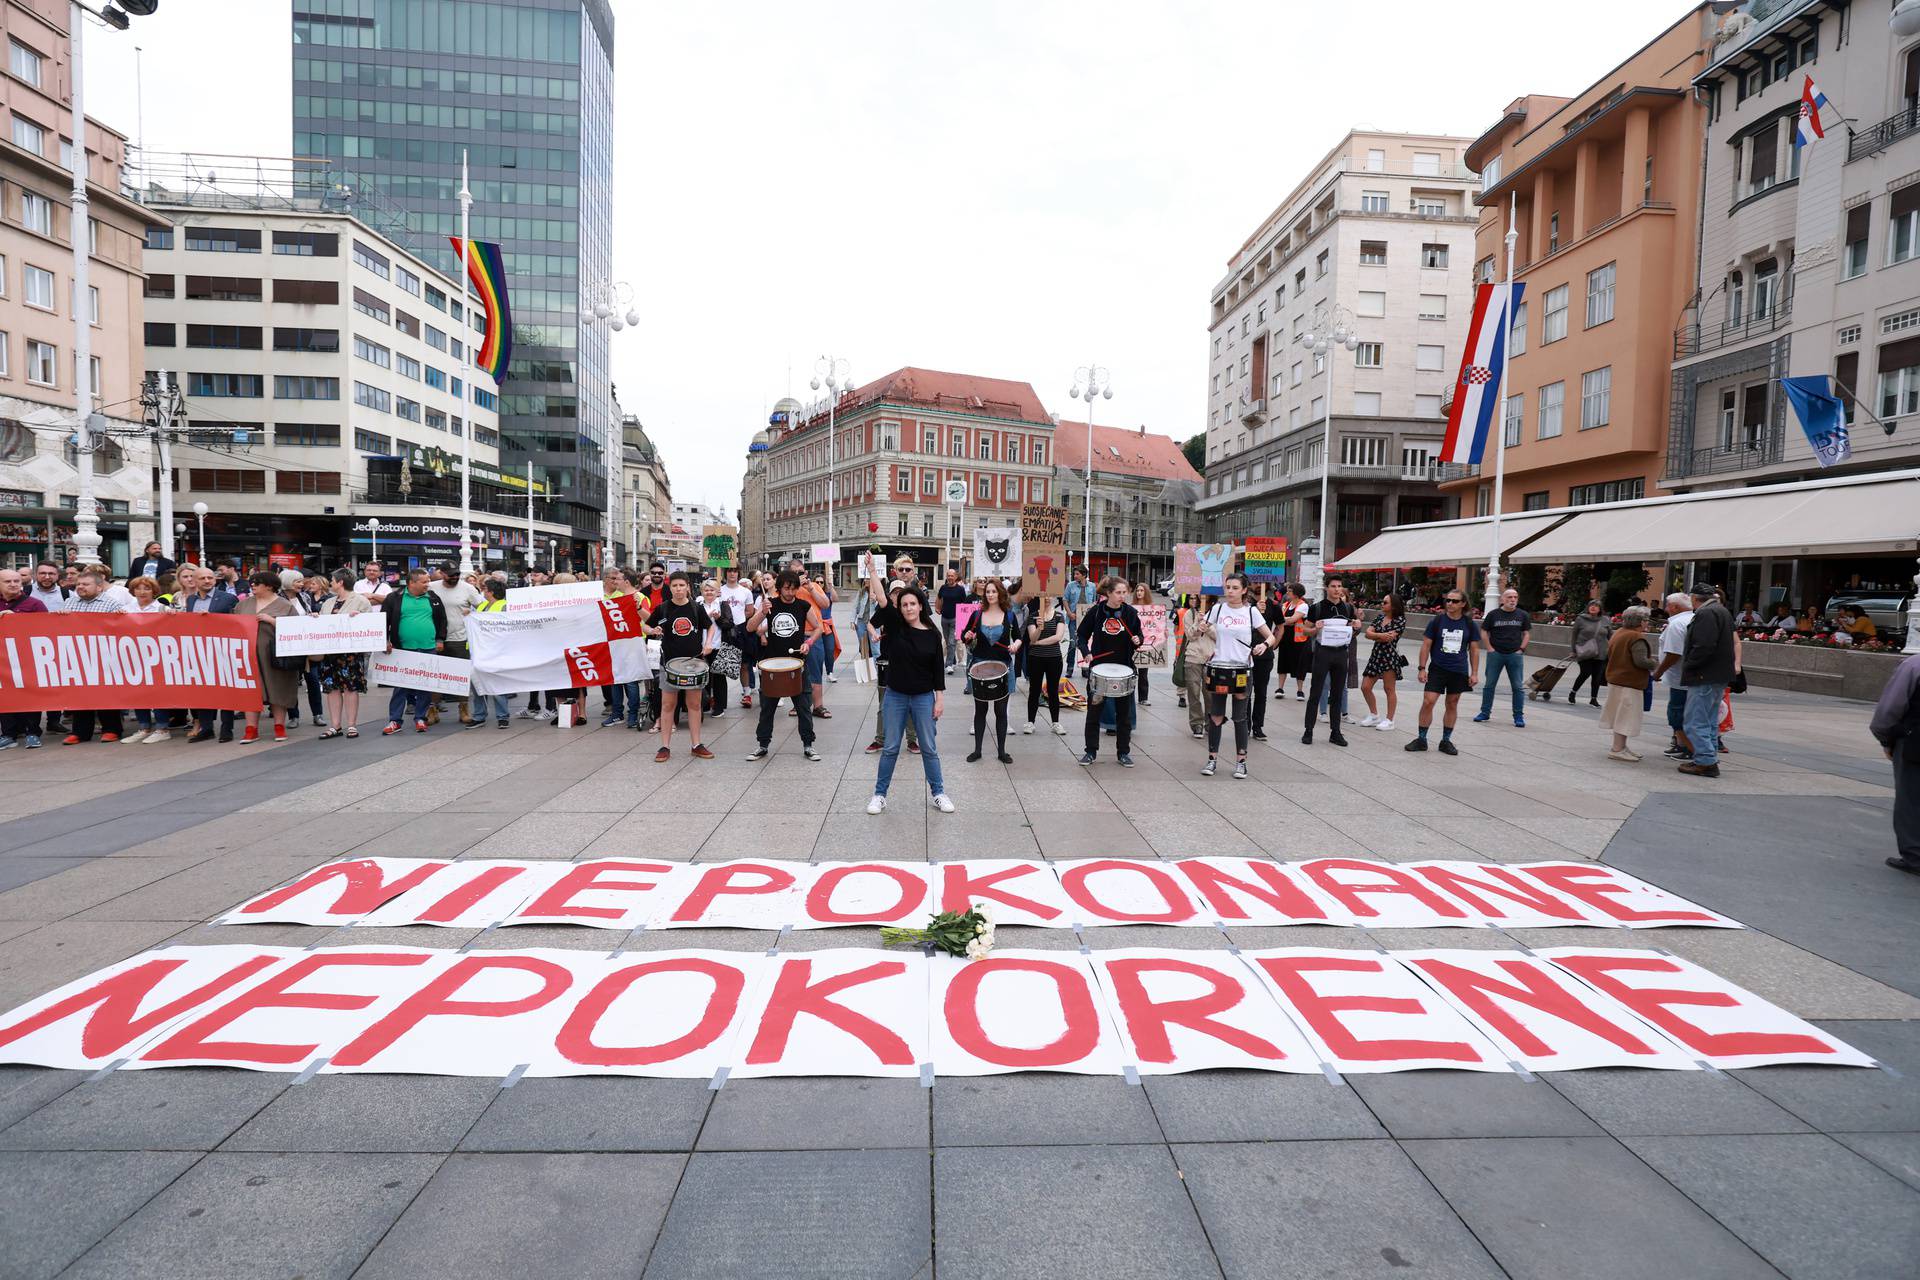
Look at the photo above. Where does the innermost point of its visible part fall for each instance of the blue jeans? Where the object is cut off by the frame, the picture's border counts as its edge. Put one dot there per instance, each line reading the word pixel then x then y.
pixel 624 699
pixel 817 660
pixel 1515 665
pixel 501 707
pixel 895 711
pixel 1703 721
pixel 412 701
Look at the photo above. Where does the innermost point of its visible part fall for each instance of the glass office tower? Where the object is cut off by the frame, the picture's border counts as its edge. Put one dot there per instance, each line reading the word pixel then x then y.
pixel 387 93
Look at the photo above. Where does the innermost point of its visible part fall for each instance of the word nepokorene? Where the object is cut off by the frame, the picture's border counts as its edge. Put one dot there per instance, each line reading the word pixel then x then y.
pixel 629 893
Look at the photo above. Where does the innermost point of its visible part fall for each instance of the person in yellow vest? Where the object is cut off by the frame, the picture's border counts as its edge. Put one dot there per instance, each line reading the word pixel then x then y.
pixel 495 592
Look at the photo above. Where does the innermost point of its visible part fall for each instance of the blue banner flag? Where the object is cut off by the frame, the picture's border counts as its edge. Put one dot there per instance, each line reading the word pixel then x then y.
pixel 1822 416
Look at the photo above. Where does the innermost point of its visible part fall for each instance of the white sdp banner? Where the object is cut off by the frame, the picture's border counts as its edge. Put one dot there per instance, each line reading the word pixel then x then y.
pixel 565 648
pixel 330 633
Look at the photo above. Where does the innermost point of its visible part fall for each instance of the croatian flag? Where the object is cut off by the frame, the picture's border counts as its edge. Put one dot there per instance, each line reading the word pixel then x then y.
pixel 1483 367
pixel 1807 128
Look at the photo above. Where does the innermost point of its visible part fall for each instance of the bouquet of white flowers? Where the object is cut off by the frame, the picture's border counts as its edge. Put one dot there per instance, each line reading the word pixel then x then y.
pixel 966 933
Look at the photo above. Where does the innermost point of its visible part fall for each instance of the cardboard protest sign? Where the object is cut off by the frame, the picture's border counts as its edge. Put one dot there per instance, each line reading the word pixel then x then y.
pixel 1201 568
pixel 1043 550
pixel 717 542
pixel 330 633
pixel 1266 560
pixel 1154 633
pixel 825 553
pixel 434 672
pixel 111 661
pixel 996 552
pixel 963 614
pixel 872 565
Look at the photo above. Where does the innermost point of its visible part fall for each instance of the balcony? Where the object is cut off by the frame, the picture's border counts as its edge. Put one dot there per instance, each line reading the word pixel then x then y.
pixel 1883 135
pixel 1763 451
pixel 1696 339
pixel 1456 471
pixel 1253 412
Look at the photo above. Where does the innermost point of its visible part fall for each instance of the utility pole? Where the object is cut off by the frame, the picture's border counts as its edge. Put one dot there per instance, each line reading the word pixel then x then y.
pixel 164 404
pixel 86 513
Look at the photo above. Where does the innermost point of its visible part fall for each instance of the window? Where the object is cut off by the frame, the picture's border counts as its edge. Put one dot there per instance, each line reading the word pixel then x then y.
pixel 372 259
pixel 1373 202
pixel 1490 176
pixel 223 239
pixel 93 304
pixel 1903 224
pixel 1552 397
pixel 1553 326
pixel 306 482
pixel 1766 287
pixel 1367 355
pixel 306 244
pixel 1318 408
pixel 1600 295
pixel 1013 488
pixel 1376 160
pixel 1596 398
pixel 1426 164
pixel 437 420
pixel 1763 158
pixel 1553 233
pixel 1320 265
pixel 1363 451
pixel 1513 418
pixel 436 339
pixel 159 237
pixel 1372 302
pixel 1900 378
pixel 372 398
pixel 405 408
pixel 435 378
pixel 1294 375
pixel 307 292
pixel 29 135
pixel 1416 461
pixel 1517 331
pixel 39 287
pixel 372 442
pixel 1433 256
pixel 1586 495
pixel 1429 208
pixel 245 386
pixel 1037 455
pixel 1433 306
pixel 1536 501
pixel 43 362
pixel 160 335
pixel 1483 270
pixel 959 443
pixel 24 63
pixel 1243 364
pixel 372 353
pixel 224 337
pixel 1736 298
pixel 1429 357
pixel 1853 259
pixel 407 367
pixel 1373 253
pixel 1013 448
pixel 36 212
pixel 93 374
pixel 986 448
pixel 286 387
pixel 930 482
pixel 407 280
pixel 1426 407
pixel 983 489
pixel 305 434
pixel 325 340
pixel 368 305
pixel 223 289
pixel 226 480
pixel 1366 404
pixel 1037 491
pixel 436 299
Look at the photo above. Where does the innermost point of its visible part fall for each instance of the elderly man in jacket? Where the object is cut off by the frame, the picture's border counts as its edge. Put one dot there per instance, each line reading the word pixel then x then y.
pixel 1706 669
pixel 1896 727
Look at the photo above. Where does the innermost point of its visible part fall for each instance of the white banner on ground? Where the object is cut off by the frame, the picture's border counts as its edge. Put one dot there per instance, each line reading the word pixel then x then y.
pixel 330 633
pixel 434 672
pixel 864 1012
pixel 1090 892
pixel 554 595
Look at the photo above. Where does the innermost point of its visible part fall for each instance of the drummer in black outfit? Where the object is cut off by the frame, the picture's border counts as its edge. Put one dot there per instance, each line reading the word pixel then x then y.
pixel 993 635
pixel 788 626
pixel 685 630
pixel 1235 624
pixel 1110 632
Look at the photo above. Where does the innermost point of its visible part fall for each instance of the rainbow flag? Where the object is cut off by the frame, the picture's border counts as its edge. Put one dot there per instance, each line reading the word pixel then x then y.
pixel 488 272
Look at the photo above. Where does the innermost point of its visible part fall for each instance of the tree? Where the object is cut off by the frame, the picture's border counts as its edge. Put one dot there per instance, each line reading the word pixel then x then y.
pixel 1623 584
pixel 1196 451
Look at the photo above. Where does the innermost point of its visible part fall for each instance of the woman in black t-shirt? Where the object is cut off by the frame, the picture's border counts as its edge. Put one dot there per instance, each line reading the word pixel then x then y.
pixel 1046 658
pixel 916 686
pixel 685 630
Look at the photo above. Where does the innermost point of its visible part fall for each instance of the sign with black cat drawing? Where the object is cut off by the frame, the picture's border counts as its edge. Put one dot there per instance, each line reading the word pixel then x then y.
pixel 996 552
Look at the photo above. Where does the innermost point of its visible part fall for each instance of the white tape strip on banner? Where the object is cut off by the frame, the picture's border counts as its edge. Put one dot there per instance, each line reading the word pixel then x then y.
pixel 627 893
pixel 863 1012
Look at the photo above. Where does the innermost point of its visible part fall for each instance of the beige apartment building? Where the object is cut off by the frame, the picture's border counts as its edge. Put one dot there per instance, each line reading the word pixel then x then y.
pixel 1383 228
pixel 647 500
pixel 1605 189
pixel 39 464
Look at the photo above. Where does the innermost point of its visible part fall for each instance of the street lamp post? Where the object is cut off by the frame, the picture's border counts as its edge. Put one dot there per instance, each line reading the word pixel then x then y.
pixel 1090 380
pixel 611 302
pixel 1332 328
pixel 838 376
pixel 373 533
pixel 200 514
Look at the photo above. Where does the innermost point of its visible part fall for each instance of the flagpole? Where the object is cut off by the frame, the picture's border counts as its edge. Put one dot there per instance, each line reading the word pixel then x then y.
pixel 1492 601
pixel 466 389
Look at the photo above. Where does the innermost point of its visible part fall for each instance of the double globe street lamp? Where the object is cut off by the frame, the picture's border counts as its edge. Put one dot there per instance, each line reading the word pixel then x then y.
pixel 611 303
pixel 1089 381
pixel 1331 329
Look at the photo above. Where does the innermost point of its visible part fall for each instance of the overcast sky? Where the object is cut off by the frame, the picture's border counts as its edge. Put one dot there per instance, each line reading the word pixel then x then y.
pixel 1003 187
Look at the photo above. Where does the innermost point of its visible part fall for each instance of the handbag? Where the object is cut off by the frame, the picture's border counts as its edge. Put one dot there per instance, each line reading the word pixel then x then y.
pixel 1738 684
pixel 726 661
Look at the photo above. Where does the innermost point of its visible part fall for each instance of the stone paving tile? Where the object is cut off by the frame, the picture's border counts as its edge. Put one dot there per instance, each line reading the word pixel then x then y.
pixel 1783 1193
pixel 24 1090
pixel 1085 834
pixel 1110 1212
pixel 700 940
pixel 1196 834
pixel 367 1113
pixel 1573 1208
pixel 817 1113
pixel 898 835
pixel 544 835
pixel 1790 976
pixel 326 1211
pixel 1897 1153
pixel 761 834
pixel 1257 1106
pixel 829 939
pixel 592 1113
pixel 1585 836
pixel 967 834
pixel 439 834
pixel 1468 1104
pixel 86 884
pixel 1839 1100
pixel 1038 1108
pixel 58 1204
pixel 55 954
pixel 1627 1102
pixel 512 1216
pixel 835 1215
pixel 1329 1209
pixel 204 890
pixel 644 832
pixel 169 1109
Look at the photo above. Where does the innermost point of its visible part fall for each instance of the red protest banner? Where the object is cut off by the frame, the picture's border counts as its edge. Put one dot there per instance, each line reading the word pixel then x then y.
pixel 112 661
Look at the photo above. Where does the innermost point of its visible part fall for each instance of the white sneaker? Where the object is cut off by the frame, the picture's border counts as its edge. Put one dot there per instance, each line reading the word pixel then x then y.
pixel 1384 725
pixel 1370 721
pixel 1059 728
pixel 134 739
pixel 832 678
pixel 1029 728
pixel 877 805
pixel 160 735
pixel 943 804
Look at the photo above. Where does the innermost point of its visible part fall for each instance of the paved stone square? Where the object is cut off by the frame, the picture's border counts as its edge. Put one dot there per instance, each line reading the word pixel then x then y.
pixel 1797 1171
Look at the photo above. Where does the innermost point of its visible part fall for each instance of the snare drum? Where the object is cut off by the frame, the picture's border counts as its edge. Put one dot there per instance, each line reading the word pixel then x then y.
pixel 1110 680
pixel 783 677
pixel 684 673
pixel 1229 677
pixel 990 681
